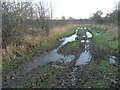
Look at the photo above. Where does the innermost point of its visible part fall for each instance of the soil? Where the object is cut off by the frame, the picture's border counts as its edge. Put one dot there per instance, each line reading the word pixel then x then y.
pixel 85 74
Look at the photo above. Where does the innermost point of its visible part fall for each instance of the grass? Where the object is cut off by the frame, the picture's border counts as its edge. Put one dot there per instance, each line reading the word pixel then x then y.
pixel 105 67
pixel 105 71
pixel 101 83
pixel 68 32
pixel 105 39
pixel 49 43
pixel 75 44
pixel 7 65
pixel 101 42
pixel 107 43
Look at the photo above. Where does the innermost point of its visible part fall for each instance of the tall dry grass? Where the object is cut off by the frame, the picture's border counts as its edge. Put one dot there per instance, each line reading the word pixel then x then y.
pixel 113 29
pixel 30 42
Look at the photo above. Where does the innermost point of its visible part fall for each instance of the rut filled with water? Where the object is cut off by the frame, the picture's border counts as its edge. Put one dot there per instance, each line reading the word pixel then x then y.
pixel 84 57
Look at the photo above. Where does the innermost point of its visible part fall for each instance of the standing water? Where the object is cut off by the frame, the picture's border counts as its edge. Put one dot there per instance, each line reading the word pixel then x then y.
pixel 53 56
pixel 112 59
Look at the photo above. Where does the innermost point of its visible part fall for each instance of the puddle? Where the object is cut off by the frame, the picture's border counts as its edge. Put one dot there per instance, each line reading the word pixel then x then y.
pixel 83 59
pixel 112 60
pixel 49 57
pixel 69 58
pixel 53 56
pixel 44 59
pixel 70 38
pixel 89 35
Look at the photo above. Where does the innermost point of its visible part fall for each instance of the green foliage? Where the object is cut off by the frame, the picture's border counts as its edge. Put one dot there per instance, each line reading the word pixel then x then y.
pixel 101 83
pixel 112 17
pixel 6 65
pixel 105 67
pixel 104 40
pixel 101 42
pixel 106 71
pixel 97 16
pixel 74 45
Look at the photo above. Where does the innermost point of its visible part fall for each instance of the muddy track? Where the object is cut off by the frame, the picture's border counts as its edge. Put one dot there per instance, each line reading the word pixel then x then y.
pixel 82 70
pixel 84 74
pixel 15 78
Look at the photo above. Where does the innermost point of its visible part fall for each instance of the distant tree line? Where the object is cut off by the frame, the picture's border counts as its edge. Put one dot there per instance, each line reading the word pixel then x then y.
pixel 109 18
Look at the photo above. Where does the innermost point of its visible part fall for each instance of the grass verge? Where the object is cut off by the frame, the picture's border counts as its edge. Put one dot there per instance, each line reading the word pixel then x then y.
pixel 106 74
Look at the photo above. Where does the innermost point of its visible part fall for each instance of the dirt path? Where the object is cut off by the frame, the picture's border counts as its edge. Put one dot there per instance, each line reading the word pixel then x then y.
pixel 60 74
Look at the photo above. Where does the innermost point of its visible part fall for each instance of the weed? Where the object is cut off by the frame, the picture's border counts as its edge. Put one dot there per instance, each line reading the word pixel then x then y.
pixel 75 44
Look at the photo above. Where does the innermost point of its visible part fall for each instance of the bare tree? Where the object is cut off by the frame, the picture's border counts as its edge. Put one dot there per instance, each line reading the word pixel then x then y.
pixel 14 18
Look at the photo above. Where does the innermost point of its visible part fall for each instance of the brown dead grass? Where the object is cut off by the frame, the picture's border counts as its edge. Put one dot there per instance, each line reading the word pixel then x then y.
pixel 111 29
pixel 58 30
pixel 30 41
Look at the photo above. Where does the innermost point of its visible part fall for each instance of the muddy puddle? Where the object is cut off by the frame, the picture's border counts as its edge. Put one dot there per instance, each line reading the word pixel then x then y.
pixel 53 56
pixel 85 56
pixel 112 60
pixel 70 38
pixel 88 34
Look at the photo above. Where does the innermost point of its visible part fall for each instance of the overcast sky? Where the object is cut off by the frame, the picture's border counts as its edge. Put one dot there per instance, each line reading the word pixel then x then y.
pixel 80 8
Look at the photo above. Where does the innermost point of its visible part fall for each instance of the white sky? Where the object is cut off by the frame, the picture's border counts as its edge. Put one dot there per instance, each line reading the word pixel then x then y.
pixel 80 8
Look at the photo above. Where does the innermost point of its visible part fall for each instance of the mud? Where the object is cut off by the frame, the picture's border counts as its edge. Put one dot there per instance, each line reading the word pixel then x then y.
pixel 81 77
